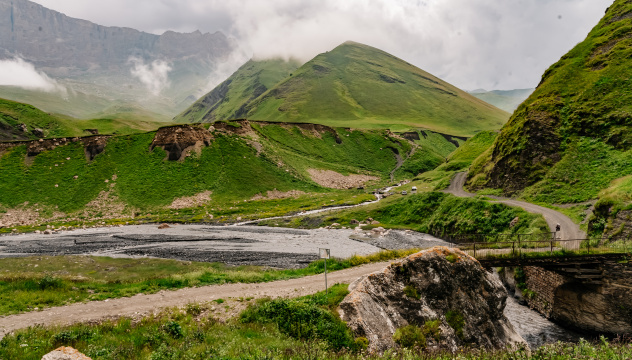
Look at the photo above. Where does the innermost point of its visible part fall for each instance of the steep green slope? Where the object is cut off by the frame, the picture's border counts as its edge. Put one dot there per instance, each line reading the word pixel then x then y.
pixel 13 115
pixel 359 86
pixel 573 137
pixel 507 100
pixel 237 168
pixel 353 85
pixel 229 99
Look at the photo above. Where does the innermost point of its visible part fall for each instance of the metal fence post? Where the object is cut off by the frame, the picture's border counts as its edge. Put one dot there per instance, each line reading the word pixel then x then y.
pixel 474 250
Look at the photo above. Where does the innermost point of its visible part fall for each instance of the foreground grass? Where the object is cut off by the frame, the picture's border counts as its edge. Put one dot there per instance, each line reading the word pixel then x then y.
pixel 41 282
pixel 272 329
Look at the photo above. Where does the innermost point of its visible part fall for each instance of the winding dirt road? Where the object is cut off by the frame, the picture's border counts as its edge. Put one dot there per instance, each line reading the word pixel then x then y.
pixel 140 305
pixel 569 230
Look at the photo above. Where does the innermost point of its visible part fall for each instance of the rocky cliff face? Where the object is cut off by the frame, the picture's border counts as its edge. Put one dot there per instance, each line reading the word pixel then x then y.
pixel 444 293
pixel 96 61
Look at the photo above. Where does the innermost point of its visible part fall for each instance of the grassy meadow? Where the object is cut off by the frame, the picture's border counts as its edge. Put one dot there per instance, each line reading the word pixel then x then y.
pixel 38 282
pixel 301 328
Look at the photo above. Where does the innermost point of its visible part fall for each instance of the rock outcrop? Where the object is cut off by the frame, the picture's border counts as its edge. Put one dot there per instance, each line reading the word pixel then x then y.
pixel 446 294
pixel 65 353
pixel 179 140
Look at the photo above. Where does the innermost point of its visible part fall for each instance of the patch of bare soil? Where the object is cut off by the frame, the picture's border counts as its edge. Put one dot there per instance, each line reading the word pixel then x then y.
pixel 26 215
pixel 334 180
pixel 275 194
pixel 200 199
pixel 106 205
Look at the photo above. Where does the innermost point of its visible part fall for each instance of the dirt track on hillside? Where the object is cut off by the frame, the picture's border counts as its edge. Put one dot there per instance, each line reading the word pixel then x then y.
pixel 569 230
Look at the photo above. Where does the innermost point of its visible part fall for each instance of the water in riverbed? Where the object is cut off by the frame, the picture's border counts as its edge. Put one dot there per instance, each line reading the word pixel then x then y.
pixel 535 328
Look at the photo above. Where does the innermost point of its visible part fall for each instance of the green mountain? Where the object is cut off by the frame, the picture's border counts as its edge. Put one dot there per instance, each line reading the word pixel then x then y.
pixel 229 99
pixel 20 121
pixel 571 140
pixel 186 172
pixel 358 86
pixel 507 100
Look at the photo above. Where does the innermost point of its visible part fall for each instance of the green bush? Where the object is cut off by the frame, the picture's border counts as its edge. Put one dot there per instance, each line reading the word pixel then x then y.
pixel 410 336
pixel 302 319
pixel 456 321
pixel 411 292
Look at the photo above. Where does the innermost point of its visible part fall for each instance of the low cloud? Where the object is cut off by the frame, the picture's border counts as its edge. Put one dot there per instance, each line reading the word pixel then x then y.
pixel 472 44
pixel 19 73
pixel 154 76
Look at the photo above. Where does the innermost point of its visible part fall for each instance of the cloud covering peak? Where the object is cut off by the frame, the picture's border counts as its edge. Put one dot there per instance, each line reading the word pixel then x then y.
pixel 472 44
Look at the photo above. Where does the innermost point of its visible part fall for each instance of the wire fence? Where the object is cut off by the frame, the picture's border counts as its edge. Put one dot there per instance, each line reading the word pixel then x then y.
pixel 545 248
pixel 499 238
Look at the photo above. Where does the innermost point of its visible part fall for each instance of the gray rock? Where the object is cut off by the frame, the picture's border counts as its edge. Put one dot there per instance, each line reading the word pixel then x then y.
pixel 425 287
pixel 38 132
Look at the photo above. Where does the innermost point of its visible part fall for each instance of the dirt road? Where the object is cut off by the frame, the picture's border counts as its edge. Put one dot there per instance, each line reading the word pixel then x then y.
pixel 140 305
pixel 569 230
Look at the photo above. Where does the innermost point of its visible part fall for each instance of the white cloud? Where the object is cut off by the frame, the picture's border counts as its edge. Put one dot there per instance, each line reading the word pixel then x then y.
pixel 19 73
pixel 154 76
pixel 472 44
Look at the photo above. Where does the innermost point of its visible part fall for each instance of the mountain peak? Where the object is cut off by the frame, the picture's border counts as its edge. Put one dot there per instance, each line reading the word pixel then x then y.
pixel 356 85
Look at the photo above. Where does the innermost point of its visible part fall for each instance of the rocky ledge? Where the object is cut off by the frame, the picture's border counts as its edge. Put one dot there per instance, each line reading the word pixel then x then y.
pixel 440 299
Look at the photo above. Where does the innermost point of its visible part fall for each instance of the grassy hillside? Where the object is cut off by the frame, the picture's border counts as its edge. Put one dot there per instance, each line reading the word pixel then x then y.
pixel 507 100
pixel 573 137
pixel 356 86
pixel 268 164
pixel 229 99
pixel 13 114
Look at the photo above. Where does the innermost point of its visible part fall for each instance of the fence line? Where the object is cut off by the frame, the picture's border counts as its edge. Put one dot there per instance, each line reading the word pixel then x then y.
pixel 545 248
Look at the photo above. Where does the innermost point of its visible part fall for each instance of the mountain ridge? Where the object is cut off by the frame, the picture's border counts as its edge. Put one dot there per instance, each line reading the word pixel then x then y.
pixel 356 85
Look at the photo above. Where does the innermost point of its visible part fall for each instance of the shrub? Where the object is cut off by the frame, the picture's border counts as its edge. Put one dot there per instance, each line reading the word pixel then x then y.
pixel 411 292
pixel 456 321
pixel 410 336
pixel 301 320
pixel 174 329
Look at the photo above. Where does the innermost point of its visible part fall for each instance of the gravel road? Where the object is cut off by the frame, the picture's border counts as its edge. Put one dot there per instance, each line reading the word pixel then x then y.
pixel 141 305
pixel 569 230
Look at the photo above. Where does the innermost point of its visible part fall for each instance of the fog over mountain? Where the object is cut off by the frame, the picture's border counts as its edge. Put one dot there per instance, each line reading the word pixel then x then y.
pixel 73 57
pixel 489 44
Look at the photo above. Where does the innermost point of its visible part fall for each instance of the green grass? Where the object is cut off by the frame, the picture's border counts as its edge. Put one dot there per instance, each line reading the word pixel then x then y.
pixel 309 318
pixel 191 334
pixel 14 113
pixel 229 99
pixel 442 214
pixel 43 281
pixel 359 86
pixel 579 115
pixel 143 184
pixel 588 167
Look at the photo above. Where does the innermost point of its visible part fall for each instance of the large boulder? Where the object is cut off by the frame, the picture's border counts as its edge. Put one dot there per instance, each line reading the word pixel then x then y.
pixel 443 294
pixel 65 353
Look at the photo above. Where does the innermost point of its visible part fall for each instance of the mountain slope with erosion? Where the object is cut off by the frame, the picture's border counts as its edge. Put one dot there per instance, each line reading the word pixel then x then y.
pixel 571 141
pixel 358 86
pixel 188 172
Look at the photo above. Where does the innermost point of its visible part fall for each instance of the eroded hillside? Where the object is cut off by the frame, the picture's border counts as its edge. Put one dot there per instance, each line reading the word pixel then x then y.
pixel 571 141
pixel 196 171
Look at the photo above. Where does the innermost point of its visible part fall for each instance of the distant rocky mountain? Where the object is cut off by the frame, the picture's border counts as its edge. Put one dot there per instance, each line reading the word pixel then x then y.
pixel 97 62
pixel 353 85
pixel 508 100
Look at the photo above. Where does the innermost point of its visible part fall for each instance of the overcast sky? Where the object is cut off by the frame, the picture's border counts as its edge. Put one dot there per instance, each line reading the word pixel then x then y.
pixel 491 44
